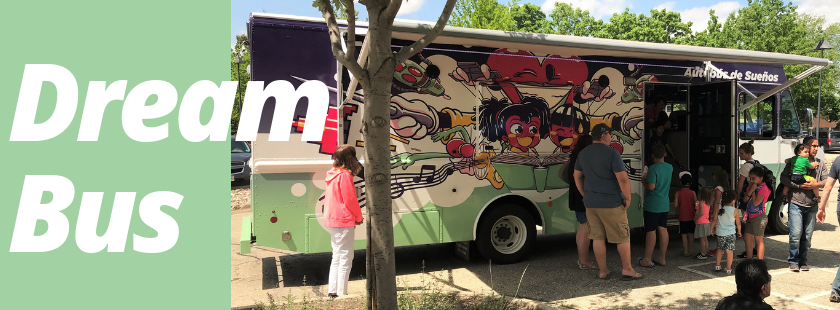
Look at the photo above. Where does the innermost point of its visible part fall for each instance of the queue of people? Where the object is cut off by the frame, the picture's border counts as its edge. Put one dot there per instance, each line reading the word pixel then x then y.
pixel 601 188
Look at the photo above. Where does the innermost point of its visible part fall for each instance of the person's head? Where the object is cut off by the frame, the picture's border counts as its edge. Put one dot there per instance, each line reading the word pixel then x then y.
pixel 756 175
pixel 601 133
pixel 707 195
pixel 345 158
pixel 746 150
pixel 814 145
pixel 752 278
pixel 659 127
pixel 686 179
pixel 660 104
pixel 728 197
pixel 721 178
pixel 582 142
pixel 658 151
pixel 802 150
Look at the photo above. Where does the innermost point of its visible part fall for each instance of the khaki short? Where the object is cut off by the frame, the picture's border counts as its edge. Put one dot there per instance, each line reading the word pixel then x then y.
pixel 608 224
pixel 755 226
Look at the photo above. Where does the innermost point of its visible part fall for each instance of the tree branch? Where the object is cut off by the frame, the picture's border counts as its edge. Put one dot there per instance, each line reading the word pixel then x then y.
pixel 392 9
pixel 412 49
pixel 351 31
pixel 335 41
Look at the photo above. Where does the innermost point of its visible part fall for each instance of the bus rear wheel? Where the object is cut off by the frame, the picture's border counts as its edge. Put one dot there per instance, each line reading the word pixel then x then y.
pixel 777 218
pixel 506 234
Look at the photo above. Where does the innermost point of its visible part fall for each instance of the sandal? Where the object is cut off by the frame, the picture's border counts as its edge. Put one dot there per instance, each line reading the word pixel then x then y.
pixel 639 260
pixel 658 263
pixel 607 277
pixel 636 276
pixel 585 267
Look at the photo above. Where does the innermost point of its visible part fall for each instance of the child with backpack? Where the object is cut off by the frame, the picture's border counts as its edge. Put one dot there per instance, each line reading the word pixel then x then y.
pixel 702 226
pixel 800 165
pixel 755 216
pixel 725 225
pixel 685 201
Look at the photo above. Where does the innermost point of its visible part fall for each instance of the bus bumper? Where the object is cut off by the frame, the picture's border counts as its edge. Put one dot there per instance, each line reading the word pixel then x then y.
pixel 245 236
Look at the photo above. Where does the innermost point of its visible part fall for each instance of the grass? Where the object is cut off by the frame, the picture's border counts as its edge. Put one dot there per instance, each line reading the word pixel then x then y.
pixel 429 296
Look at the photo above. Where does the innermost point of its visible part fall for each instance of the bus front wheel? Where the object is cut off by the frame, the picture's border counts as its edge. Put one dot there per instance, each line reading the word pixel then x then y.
pixel 506 234
pixel 777 218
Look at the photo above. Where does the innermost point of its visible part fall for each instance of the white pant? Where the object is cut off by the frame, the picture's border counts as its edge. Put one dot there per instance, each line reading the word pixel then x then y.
pixel 342 258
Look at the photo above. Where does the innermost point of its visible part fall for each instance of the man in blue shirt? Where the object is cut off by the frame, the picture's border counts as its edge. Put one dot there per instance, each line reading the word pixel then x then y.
pixel 656 207
pixel 833 175
pixel 602 179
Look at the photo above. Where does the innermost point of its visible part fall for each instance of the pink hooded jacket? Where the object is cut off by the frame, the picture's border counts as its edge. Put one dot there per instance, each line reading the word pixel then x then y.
pixel 341 207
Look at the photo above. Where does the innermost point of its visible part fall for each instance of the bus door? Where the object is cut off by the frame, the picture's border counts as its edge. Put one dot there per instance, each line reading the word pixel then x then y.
pixel 712 130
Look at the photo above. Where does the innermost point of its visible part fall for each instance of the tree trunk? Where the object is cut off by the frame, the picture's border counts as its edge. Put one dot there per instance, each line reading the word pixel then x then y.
pixel 376 132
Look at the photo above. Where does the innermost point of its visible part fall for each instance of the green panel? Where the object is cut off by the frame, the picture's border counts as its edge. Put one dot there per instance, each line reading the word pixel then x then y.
pixel 635 215
pixel 271 196
pixel 458 221
pixel 553 180
pixel 420 227
pixel 517 177
pixel 245 236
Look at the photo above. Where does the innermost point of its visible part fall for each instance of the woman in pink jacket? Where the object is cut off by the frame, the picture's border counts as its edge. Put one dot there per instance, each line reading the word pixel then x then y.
pixel 341 215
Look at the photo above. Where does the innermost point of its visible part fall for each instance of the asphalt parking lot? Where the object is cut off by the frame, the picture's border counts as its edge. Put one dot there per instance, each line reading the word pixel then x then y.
pixel 551 275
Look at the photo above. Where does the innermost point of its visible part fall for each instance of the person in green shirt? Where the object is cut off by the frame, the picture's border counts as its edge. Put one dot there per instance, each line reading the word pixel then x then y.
pixel 656 207
pixel 800 164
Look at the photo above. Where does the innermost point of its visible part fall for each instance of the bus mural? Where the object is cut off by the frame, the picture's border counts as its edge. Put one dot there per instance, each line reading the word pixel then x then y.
pixel 480 133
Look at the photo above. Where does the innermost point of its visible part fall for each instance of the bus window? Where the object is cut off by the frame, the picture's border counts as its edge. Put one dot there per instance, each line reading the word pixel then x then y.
pixel 790 122
pixel 756 122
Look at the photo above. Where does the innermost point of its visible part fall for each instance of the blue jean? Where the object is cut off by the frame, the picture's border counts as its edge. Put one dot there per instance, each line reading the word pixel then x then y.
pixel 801 224
pixel 836 285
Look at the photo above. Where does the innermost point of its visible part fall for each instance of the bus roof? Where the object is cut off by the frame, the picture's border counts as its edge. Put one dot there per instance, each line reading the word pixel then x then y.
pixel 413 30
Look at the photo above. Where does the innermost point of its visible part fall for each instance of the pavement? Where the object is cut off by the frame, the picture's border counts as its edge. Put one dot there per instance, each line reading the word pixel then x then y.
pixel 549 277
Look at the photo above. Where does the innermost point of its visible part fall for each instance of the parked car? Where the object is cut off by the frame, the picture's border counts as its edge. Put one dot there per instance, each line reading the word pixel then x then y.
pixel 830 141
pixel 240 154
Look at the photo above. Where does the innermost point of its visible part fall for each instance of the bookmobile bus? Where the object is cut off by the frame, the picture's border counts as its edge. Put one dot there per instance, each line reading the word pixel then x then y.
pixel 477 149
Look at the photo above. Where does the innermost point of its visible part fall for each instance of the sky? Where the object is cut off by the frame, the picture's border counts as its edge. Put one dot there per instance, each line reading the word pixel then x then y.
pixel 696 11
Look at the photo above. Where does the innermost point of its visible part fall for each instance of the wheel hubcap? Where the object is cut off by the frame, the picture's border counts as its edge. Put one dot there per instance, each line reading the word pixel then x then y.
pixel 508 234
pixel 783 211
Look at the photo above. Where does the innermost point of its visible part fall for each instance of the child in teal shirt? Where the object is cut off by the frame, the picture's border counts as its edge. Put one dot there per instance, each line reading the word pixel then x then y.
pixel 800 164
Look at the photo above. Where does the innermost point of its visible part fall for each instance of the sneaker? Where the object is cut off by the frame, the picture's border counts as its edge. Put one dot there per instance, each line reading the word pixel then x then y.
pixel 728 271
pixel 834 297
pixel 794 267
pixel 717 267
pixel 701 256
pixel 804 268
pixel 742 255
pixel 712 252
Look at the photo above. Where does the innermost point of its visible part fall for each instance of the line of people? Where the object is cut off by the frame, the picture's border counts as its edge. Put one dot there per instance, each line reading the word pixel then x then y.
pixel 600 197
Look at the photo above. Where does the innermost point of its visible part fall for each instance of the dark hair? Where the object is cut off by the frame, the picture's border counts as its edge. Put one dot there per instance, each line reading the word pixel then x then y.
pixel 658 151
pixel 707 195
pixel 750 275
pixel 722 178
pixel 798 149
pixel 725 198
pixel 757 171
pixel 686 180
pixel 345 158
pixel 582 142
pixel 807 141
pixel 747 147
pixel 493 115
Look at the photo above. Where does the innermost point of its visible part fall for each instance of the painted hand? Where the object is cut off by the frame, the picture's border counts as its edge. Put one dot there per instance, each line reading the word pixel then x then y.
pixel 405 160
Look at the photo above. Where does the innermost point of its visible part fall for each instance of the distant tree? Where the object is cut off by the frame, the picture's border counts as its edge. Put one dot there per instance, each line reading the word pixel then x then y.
pixel 573 21
pixel 483 14
pixel 529 17
pixel 660 27
pixel 245 53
